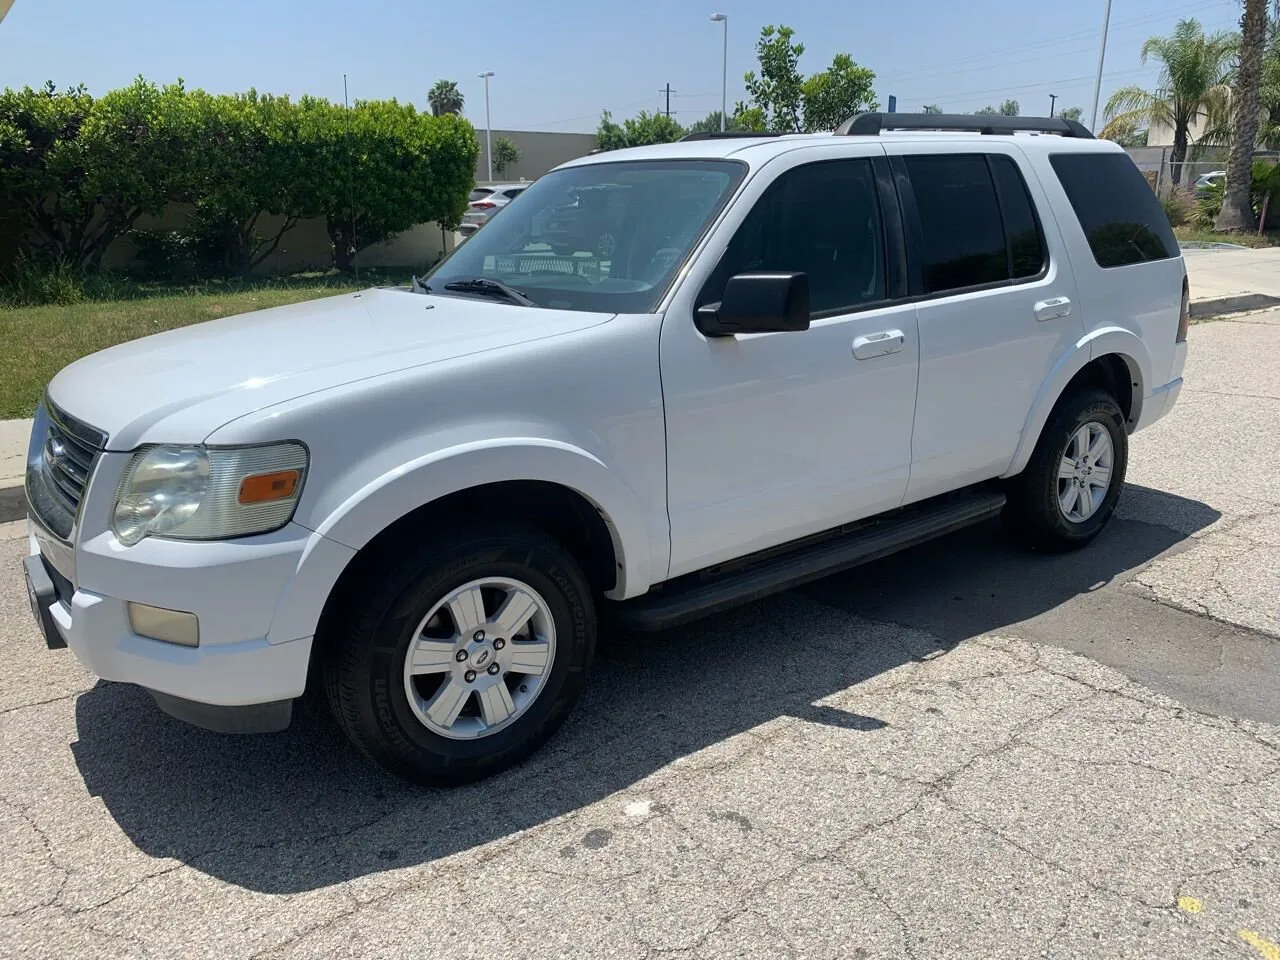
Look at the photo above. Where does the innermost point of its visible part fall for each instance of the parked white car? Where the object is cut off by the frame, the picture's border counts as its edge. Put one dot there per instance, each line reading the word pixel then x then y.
pixel 794 354
pixel 485 202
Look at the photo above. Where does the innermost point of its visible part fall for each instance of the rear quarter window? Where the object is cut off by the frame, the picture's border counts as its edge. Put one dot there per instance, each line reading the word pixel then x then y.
pixel 1121 217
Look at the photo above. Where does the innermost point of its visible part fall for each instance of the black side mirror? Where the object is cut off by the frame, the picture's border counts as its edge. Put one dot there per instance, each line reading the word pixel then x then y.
pixel 758 303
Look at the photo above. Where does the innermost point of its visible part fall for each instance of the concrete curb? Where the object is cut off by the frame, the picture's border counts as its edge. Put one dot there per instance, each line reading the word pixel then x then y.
pixel 13 504
pixel 1242 303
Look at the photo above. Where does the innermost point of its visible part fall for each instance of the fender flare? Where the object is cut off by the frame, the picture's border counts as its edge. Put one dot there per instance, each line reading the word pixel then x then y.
pixel 384 499
pixel 1097 343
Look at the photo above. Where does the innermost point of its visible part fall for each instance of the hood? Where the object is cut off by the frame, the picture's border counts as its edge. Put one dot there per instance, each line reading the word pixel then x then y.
pixel 181 385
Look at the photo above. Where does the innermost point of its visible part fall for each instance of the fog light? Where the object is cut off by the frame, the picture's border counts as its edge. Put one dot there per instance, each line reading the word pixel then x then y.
pixel 171 626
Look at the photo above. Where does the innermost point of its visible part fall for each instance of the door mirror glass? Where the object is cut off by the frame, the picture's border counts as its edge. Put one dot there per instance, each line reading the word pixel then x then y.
pixel 761 302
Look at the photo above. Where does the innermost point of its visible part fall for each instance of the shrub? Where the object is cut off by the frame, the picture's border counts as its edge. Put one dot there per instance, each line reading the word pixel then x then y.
pixel 1209 204
pixel 1180 206
pixel 167 254
pixel 34 284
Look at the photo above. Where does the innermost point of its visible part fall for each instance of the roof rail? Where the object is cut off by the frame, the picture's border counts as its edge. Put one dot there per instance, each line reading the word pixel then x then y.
pixel 726 135
pixel 870 124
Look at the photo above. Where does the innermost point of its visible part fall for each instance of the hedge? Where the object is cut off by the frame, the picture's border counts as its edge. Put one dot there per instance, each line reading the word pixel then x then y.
pixel 76 172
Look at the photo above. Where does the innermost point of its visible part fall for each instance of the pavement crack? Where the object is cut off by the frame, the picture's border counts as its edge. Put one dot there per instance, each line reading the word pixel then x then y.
pixel 40 703
pixel 1049 861
pixel 50 857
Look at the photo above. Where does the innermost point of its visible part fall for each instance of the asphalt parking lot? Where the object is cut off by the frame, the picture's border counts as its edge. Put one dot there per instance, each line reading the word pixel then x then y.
pixel 962 751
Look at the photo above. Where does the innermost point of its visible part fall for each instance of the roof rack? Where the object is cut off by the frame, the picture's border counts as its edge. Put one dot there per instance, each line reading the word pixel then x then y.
pixel 726 135
pixel 870 124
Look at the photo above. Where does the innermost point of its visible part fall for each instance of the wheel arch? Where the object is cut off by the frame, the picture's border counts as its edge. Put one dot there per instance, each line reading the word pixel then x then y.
pixel 1113 359
pixel 562 491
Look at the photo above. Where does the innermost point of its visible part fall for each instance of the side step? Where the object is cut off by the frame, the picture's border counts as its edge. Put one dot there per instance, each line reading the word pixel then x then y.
pixel 699 594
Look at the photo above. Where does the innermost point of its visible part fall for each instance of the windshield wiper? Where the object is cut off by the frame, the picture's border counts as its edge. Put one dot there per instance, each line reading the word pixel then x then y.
pixel 490 288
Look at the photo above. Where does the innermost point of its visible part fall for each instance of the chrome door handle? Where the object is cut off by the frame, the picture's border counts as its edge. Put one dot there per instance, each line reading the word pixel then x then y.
pixel 1053 309
pixel 878 344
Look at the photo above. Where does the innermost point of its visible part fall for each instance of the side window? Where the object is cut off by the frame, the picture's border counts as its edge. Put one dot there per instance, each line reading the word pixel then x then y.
pixel 1022 229
pixel 512 194
pixel 822 219
pixel 1122 219
pixel 960 221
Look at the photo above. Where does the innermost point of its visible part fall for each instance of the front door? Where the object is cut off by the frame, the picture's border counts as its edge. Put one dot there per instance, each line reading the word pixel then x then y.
pixel 771 437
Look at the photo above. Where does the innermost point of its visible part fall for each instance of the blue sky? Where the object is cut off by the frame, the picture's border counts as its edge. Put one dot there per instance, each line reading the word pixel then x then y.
pixel 559 64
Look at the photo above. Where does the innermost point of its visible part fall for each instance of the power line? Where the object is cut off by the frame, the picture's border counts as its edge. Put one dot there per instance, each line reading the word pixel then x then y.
pixel 1034 45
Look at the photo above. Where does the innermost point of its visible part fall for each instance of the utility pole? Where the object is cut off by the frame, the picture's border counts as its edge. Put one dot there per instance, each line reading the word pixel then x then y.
pixel 1053 98
pixel 668 91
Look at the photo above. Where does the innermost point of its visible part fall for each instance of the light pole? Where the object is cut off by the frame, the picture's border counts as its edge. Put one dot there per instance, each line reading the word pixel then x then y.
pixel 1102 55
pixel 488 127
pixel 724 68
pixel 1053 99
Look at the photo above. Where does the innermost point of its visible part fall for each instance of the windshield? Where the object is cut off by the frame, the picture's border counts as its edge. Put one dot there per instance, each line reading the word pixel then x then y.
pixel 605 238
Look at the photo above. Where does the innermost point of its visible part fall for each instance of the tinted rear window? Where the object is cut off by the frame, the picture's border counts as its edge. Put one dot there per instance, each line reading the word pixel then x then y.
pixel 960 219
pixel 1022 229
pixel 1120 214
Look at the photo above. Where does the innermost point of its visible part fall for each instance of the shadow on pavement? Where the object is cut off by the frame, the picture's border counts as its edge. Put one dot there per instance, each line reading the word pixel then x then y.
pixel 301 810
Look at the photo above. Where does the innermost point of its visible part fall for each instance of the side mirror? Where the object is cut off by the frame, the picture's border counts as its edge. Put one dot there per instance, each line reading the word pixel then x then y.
pixel 758 303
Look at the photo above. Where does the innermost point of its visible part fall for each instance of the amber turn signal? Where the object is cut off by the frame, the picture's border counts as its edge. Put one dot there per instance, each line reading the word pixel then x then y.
pixel 266 487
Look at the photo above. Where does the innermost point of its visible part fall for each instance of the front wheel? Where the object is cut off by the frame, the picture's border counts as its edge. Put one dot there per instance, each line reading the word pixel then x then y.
pixel 1070 486
pixel 461 658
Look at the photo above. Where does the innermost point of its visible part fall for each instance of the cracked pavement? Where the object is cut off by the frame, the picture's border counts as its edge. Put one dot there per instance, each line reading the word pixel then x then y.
pixel 961 751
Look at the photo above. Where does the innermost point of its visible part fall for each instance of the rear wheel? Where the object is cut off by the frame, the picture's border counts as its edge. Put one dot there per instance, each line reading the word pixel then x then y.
pixel 1070 486
pixel 463 657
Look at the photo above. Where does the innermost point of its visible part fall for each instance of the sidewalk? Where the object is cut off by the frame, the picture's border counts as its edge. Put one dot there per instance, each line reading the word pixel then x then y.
pixel 13 457
pixel 1216 274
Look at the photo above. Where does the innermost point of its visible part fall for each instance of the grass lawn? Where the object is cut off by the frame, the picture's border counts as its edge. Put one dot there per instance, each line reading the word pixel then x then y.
pixel 1206 235
pixel 37 342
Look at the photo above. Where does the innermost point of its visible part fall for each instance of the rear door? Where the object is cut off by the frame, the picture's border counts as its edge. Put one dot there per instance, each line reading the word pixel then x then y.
pixel 995 301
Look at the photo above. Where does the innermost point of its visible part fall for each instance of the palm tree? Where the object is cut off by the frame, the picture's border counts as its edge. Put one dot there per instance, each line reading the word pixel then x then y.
pixel 1194 74
pixel 1237 201
pixel 1269 91
pixel 445 97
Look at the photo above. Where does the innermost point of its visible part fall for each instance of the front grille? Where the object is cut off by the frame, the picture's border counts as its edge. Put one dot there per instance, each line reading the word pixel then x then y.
pixel 60 461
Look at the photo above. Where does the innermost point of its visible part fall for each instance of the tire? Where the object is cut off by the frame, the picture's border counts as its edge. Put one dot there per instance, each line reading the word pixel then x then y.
pixel 397 716
pixel 1035 512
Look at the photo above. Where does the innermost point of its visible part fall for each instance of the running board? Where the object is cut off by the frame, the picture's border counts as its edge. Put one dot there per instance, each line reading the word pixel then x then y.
pixel 700 594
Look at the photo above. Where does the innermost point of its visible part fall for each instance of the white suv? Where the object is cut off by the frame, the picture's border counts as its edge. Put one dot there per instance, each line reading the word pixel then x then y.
pixel 794 355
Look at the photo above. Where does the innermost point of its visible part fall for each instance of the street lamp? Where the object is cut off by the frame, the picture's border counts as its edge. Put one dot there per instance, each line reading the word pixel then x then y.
pixel 724 69
pixel 1102 56
pixel 488 127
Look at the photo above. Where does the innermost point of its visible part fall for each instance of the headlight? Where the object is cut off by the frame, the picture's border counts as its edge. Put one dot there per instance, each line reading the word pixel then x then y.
pixel 208 493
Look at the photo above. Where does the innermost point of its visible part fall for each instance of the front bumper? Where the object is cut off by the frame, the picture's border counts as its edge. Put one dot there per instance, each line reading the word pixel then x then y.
pixel 242 676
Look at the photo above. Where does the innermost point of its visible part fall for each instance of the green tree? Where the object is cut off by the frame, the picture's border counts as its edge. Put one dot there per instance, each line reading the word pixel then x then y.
pixel 711 124
pixel 381 169
pixel 1237 204
pixel 778 91
pixel 1194 72
pixel 1071 113
pixel 837 93
pixel 931 108
pixel 638 131
pixel 251 164
pixel 43 199
pixel 1009 108
pixel 1269 91
pixel 142 151
pixel 782 100
pixel 445 97
pixel 505 155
